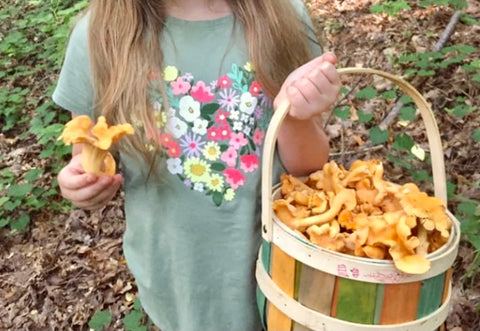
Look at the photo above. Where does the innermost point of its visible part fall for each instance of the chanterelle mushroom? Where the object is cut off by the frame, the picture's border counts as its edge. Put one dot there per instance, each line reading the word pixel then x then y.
pixel 96 140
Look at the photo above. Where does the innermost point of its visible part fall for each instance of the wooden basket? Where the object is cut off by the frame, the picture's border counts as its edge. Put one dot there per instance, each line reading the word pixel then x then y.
pixel 302 286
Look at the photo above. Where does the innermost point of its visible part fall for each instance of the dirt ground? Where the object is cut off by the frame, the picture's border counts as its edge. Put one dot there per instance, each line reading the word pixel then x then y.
pixel 68 266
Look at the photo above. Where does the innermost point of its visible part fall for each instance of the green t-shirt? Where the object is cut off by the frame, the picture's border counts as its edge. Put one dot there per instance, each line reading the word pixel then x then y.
pixel 192 236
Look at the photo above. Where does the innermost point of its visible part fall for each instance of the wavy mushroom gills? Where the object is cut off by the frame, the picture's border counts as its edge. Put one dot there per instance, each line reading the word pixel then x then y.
pixel 96 140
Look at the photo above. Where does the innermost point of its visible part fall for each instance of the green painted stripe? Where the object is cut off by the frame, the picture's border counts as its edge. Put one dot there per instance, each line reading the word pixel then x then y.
pixel 261 299
pixel 298 273
pixel 266 254
pixel 262 307
pixel 379 303
pixel 430 295
pixel 356 301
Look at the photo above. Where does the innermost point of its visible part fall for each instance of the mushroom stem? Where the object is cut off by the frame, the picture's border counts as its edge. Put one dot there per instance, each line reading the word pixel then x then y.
pixel 97 161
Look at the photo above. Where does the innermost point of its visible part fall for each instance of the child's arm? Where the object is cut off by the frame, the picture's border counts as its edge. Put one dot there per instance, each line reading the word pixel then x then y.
pixel 311 90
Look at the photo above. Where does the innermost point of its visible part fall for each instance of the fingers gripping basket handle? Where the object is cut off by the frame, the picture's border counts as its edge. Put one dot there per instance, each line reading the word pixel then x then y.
pixel 433 136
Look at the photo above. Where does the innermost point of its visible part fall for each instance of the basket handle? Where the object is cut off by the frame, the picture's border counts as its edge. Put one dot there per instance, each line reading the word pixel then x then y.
pixel 434 142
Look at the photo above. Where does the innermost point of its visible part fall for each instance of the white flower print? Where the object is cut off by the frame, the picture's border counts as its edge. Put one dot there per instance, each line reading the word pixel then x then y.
pixel 157 105
pixel 198 187
pixel 176 127
pixel 200 126
pixel 248 103
pixel 237 126
pixel 171 112
pixel 234 115
pixel 247 130
pixel 189 108
pixel 175 166
pixel 245 118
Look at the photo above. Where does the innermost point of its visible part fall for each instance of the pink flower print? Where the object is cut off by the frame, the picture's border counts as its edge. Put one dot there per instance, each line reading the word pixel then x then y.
pixel 238 140
pixel 167 140
pixel 153 75
pixel 255 88
pixel 224 81
pixel 258 136
pixel 213 133
pixel 201 92
pixel 187 76
pixel 249 162
pixel 192 145
pixel 221 117
pixel 180 86
pixel 234 177
pixel 230 156
pixel 228 99
pixel 225 131
pixel 174 150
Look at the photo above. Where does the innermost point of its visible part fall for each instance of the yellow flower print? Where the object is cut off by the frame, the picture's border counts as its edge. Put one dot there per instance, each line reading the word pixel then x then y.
pixel 248 66
pixel 160 118
pixel 150 147
pixel 215 183
pixel 197 170
pixel 229 195
pixel 170 73
pixel 211 151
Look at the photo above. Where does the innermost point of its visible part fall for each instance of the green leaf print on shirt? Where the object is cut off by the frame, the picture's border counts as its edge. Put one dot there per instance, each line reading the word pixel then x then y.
pixel 212 133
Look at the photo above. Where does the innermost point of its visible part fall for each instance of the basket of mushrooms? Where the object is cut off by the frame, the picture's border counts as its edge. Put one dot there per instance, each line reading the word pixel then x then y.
pixel 346 249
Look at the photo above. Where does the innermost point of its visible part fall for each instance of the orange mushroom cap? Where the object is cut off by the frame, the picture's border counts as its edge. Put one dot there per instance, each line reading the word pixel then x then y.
pixel 108 135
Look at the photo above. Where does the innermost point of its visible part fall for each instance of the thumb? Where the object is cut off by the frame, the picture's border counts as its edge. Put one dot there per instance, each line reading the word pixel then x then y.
pixel 329 57
pixel 315 63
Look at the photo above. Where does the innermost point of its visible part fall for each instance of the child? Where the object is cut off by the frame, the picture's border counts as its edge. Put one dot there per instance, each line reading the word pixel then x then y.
pixel 197 79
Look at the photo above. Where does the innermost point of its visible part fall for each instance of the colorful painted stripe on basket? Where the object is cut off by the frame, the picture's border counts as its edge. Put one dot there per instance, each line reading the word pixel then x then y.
pixel 400 303
pixel 345 298
pixel 430 295
pixel 315 291
pixel 354 301
pixel 283 274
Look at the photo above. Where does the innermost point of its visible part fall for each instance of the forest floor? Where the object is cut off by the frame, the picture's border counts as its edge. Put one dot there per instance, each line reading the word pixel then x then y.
pixel 69 266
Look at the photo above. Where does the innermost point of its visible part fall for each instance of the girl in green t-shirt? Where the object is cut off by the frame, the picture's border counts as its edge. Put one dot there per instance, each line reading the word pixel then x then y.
pixel 198 79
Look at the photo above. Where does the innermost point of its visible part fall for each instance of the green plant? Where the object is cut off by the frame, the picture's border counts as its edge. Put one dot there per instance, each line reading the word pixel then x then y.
pixel 391 8
pixel 136 319
pixel 31 48
pixel 100 320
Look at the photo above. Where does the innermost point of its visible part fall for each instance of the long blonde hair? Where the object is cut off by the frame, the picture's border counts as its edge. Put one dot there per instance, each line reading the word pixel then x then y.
pixel 124 44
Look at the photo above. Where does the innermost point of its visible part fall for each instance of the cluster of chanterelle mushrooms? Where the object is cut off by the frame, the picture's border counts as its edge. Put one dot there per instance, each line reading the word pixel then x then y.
pixel 357 212
pixel 97 140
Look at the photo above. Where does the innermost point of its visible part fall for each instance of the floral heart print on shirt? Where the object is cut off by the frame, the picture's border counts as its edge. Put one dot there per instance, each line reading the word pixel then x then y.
pixel 212 133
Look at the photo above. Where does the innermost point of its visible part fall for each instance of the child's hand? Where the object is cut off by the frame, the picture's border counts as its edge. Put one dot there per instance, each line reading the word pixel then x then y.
pixel 312 88
pixel 86 191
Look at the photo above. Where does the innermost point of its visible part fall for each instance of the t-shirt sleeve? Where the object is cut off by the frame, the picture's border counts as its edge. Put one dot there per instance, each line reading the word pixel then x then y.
pixel 309 29
pixel 74 90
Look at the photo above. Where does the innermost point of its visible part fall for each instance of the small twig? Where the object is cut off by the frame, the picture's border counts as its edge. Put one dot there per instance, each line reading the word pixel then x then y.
pixel 362 150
